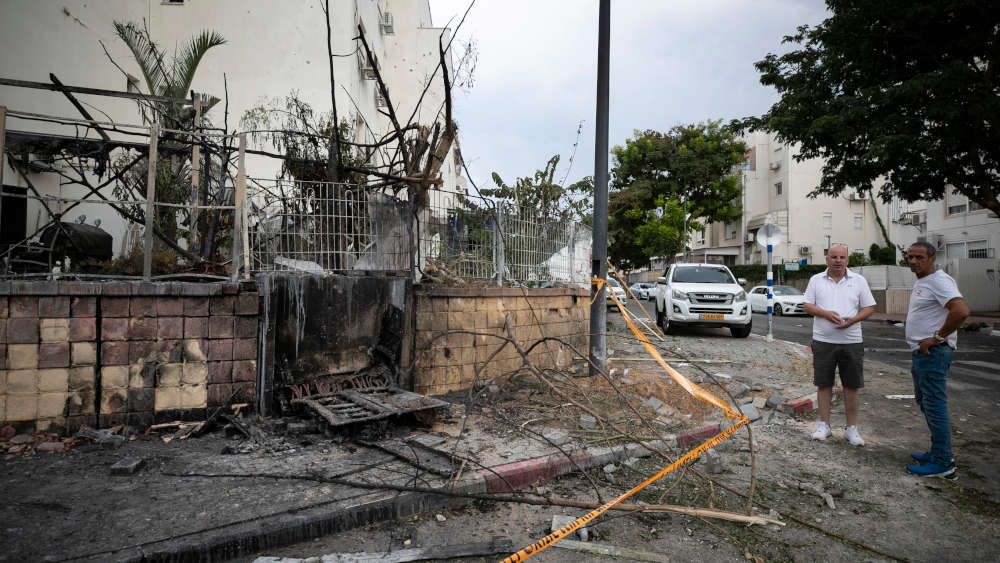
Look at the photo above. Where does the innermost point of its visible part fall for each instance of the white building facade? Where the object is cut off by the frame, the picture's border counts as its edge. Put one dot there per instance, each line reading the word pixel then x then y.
pixel 272 49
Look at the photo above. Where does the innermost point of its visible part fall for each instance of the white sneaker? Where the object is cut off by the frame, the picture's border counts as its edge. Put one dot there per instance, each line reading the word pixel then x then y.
pixel 822 431
pixel 852 436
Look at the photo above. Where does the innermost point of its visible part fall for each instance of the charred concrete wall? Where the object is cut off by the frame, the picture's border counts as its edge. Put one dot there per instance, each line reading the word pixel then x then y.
pixel 447 362
pixel 108 353
pixel 322 325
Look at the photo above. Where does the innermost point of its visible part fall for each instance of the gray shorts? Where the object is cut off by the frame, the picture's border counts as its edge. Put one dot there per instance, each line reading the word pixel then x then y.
pixel 848 358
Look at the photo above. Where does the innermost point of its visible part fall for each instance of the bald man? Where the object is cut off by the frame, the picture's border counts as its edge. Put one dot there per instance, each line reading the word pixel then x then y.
pixel 838 300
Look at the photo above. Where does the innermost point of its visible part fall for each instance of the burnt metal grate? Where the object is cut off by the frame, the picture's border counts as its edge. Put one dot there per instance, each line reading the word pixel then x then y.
pixel 364 405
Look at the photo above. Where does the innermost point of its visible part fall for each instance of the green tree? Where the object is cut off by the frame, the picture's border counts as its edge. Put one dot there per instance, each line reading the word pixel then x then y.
pixel 658 178
pixel 544 198
pixel 869 93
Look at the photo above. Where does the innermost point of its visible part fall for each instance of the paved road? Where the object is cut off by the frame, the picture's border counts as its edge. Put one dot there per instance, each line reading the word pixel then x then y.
pixel 976 367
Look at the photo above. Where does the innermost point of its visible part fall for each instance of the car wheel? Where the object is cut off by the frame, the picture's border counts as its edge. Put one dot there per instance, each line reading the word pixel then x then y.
pixel 664 321
pixel 741 331
pixel 777 309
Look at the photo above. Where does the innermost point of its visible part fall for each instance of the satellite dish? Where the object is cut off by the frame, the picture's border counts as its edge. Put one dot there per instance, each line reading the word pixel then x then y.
pixel 769 234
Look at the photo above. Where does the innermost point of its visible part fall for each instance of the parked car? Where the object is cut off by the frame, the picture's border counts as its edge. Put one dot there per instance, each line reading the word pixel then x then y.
pixel 639 291
pixel 619 292
pixel 702 295
pixel 649 287
pixel 787 300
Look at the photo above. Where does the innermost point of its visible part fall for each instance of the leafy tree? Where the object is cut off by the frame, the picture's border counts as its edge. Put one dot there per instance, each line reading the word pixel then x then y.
pixel 869 93
pixel 545 198
pixel 660 177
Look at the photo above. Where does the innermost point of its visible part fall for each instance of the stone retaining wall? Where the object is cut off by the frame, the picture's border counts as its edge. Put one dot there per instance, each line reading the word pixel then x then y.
pixel 108 353
pixel 450 362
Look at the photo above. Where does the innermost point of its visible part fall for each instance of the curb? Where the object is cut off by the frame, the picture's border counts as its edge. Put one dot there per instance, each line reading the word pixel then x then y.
pixel 257 534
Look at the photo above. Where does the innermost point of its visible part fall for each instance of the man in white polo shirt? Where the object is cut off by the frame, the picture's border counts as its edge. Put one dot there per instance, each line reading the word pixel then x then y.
pixel 838 300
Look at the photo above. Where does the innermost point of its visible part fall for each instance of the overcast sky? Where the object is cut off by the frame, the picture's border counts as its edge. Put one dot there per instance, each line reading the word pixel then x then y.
pixel 672 62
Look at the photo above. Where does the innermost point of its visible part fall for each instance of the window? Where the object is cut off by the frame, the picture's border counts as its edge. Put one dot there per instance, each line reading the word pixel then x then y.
pixel 700 237
pixel 828 221
pixel 956 209
pixel 859 222
pixel 777 189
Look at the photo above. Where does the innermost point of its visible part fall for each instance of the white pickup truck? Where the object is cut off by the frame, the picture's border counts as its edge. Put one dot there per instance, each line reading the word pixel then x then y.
pixel 702 295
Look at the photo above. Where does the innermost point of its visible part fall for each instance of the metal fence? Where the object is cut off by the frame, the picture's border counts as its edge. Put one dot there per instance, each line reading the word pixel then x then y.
pixel 322 227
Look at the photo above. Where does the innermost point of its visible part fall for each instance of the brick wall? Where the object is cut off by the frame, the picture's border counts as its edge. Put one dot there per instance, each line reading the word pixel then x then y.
pixel 101 354
pixel 450 362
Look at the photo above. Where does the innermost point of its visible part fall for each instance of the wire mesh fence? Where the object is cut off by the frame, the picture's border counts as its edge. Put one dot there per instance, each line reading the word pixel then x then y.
pixel 323 227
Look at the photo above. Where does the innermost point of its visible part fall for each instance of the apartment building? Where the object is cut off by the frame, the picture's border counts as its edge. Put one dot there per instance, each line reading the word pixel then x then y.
pixel 272 49
pixel 776 189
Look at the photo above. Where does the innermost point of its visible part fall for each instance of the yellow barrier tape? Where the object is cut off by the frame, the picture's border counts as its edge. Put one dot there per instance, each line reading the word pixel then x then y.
pixel 583 520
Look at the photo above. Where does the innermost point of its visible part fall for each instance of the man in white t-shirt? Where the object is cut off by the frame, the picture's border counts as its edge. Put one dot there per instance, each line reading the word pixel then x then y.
pixel 936 312
pixel 838 300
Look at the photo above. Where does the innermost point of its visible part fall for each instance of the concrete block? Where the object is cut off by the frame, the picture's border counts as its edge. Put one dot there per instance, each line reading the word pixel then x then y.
pixel 195 350
pixel 194 373
pixel 3 331
pixel 775 399
pixel 557 437
pixel 145 350
pixel 142 376
pixel 114 353
pixel 81 379
pixel 750 412
pixel 170 327
pixel 245 349
pixel 51 405
pixel 713 462
pixel 82 329
pixel 127 466
pixel 81 306
pixel 142 328
pixel 53 380
pixel 169 375
pixel 53 355
pixel 247 303
pixel 22 330
pixel 114 377
pixel 171 351
pixel 245 392
pixel 22 356
pixel 22 381
pixel 167 398
pixel 587 421
pixel 21 407
pixel 759 402
pixel 142 307
pixel 23 307
pixel 220 372
pixel 220 326
pixel 141 399
pixel 218 394
pixel 196 306
pixel 194 396
pixel 169 307
pixel 54 306
pixel 114 401
pixel 114 328
pixel 244 370
pixel 222 305
pixel 4 307
pixel 220 350
pixel 114 307
pixel 246 327
pixel 195 327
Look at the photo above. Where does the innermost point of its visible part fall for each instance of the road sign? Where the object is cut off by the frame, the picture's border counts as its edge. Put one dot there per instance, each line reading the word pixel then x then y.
pixel 791 266
pixel 769 234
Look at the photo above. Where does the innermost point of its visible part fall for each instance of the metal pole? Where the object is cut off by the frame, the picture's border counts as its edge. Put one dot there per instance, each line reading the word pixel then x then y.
pixel 770 296
pixel 241 243
pixel 3 136
pixel 196 141
pixel 599 252
pixel 147 244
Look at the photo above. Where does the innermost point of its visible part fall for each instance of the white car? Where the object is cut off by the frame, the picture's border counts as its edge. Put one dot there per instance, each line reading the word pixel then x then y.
pixel 648 287
pixel 787 300
pixel 639 291
pixel 618 290
pixel 702 295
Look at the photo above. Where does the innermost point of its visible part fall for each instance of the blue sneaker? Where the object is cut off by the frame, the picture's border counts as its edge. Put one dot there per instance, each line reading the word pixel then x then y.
pixel 926 458
pixel 932 470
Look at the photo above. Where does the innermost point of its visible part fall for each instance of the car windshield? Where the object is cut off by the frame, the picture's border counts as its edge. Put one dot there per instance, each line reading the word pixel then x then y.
pixel 702 274
pixel 614 283
pixel 786 290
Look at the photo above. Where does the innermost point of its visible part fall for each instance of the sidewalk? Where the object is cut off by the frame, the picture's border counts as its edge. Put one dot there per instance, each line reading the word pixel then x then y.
pixel 991 318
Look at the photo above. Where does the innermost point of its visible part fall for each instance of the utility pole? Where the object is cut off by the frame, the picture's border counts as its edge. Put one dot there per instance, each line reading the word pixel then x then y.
pixel 599 252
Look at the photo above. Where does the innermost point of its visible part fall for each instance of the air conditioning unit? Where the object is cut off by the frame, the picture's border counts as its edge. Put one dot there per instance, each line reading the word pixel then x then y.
pixel 386 24
pixel 379 100
pixel 748 238
pixel 859 196
pixel 365 67
pixel 805 249
pixel 775 165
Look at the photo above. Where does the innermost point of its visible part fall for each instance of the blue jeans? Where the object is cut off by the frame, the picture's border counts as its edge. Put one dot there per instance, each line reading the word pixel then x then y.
pixel 930 373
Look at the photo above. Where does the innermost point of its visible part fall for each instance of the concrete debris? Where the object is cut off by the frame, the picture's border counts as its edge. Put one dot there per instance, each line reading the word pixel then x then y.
pixel 630 462
pixel 51 447
pixel 751 412
pixel 739 390
pixel 766 417
pixel 557 437
pixel 775 399
pixel 301 428
pixel 653 403
pixel 713 462
pixel 829 501
pixel 723 377
pixel 127 466
pixel 588 421
pixel 746 400
pixel 610 468
pixel 440 517
pixel 560 521
pixel 759 402
pixel 103 437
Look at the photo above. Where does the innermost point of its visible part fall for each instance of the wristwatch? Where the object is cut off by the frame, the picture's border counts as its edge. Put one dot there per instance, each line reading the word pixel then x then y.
pixel 939 338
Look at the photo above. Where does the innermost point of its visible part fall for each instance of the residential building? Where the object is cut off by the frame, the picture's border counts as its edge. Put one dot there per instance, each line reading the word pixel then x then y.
pixel 272 49
pixel 960 228
pixel 776 189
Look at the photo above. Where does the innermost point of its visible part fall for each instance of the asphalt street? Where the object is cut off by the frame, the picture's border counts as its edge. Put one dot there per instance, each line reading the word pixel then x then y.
pixel 975 368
